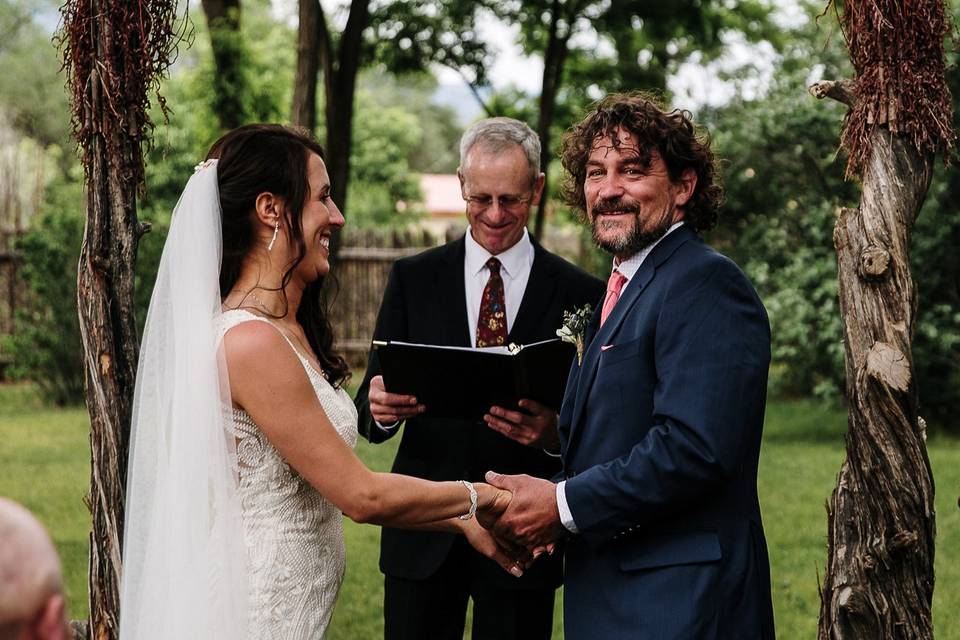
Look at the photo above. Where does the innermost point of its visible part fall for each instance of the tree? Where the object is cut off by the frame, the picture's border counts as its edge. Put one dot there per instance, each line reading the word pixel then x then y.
pixel 229 55
pixel 340 60
pixel 649 40
pixel 404 36
pixel 879 577
pixel 304 111
pixel 114 54
pixel 31 92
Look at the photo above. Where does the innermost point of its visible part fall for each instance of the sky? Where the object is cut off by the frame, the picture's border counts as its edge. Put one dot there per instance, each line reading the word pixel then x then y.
pixel 694 86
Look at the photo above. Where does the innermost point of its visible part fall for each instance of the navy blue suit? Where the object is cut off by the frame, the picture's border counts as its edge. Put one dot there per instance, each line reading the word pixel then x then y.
pixel 660 430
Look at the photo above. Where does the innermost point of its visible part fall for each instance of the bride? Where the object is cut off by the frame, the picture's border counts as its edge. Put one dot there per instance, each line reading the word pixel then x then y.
pixel 241 457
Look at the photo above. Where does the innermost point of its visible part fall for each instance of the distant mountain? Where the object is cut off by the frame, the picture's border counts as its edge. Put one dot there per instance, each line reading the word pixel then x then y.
pixel 458 97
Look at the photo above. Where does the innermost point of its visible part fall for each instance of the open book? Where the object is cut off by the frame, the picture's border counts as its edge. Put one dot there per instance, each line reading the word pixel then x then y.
pixel 463 382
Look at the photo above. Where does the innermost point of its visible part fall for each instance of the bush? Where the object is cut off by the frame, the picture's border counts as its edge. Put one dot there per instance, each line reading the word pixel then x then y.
pixel 45 345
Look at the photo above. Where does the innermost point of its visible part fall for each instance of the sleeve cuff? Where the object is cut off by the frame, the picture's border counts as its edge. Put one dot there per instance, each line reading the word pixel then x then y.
pixel 566 518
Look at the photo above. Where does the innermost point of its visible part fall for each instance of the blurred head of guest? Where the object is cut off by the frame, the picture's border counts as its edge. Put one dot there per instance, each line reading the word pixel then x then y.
pixel 32 605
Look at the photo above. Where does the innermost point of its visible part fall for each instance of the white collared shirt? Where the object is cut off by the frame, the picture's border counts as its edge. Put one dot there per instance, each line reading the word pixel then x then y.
pixel 628 268
pixel 515 264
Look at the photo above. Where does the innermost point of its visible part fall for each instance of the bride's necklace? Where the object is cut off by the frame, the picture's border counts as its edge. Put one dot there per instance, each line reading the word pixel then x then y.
pixel 260 303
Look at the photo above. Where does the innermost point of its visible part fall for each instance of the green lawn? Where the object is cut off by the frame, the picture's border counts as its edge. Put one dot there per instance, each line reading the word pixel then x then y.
pixel 44 464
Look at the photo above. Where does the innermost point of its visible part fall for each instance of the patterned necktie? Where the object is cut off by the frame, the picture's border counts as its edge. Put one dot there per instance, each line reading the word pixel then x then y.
pixel 614 286
pixel 492 324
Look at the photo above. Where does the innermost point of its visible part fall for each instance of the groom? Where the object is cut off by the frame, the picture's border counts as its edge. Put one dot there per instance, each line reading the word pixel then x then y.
pixel 660 426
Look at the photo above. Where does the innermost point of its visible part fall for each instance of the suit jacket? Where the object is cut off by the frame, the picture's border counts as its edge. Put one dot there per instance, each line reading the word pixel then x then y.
pixel 425 301
pixel 660 430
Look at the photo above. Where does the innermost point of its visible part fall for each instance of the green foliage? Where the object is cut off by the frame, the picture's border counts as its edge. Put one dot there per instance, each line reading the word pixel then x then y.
pixel 45 346
pixel 800 293
pixel 783 184
pixel 383 140
pixel 409 36
pixel 437 149
pixel 31 90
pixel 784 181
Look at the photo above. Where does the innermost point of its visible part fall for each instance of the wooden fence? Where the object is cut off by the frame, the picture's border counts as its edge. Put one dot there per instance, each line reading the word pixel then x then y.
pixel 360 277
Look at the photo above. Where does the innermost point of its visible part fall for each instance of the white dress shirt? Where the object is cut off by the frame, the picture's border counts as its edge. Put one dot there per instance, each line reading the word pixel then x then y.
pixel 628 268
pixel 515 265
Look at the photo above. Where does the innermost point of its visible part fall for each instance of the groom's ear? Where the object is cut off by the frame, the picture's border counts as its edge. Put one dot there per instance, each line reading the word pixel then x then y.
pixel 268 208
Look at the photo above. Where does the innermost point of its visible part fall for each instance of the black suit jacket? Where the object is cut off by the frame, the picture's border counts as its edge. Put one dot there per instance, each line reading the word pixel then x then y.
pixel 425 302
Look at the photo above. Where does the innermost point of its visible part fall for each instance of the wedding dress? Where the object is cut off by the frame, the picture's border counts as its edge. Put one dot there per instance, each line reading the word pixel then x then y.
pixel 294 536
pixel 223 540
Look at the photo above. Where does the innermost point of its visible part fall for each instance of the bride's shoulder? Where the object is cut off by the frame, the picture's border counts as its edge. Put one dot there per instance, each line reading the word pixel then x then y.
pixel 258 356
pixel 247 333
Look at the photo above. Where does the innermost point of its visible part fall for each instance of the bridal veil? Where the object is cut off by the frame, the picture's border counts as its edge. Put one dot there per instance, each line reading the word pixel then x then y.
pixel 184 558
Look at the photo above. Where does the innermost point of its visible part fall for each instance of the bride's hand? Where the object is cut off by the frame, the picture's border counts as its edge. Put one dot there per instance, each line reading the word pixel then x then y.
pixel 511 560
pixel 491 503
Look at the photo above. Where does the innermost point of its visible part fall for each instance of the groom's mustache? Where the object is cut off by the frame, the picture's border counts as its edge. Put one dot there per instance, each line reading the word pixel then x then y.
pixel 619 204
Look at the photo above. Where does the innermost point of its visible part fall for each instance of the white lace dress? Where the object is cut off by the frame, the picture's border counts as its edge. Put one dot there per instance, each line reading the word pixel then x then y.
pixel 294 535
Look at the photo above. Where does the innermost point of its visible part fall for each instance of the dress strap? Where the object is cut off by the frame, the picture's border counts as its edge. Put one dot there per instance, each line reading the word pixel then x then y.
pixel 233 317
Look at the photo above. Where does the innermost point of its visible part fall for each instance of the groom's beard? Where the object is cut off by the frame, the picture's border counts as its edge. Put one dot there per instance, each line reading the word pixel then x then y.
pixel 638 238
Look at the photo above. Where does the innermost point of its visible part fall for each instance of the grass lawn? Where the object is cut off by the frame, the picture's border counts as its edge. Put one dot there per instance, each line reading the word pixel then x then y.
pixel 44 462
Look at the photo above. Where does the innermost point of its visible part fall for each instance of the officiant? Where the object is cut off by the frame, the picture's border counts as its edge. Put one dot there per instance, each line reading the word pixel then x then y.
pixel 494 286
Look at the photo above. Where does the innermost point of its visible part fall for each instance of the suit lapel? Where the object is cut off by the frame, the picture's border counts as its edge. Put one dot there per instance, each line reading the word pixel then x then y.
pixel 451 310
pixel 628 298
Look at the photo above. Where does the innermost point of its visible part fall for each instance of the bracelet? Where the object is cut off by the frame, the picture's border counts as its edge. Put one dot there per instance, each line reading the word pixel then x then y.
pixel 473 500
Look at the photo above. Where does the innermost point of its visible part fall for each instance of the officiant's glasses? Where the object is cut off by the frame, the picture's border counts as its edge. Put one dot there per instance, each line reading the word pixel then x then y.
pixel 479 204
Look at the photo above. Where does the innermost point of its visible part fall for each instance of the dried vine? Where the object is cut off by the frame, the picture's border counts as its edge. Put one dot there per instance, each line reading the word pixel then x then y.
pixel 897 51
pixel 138 43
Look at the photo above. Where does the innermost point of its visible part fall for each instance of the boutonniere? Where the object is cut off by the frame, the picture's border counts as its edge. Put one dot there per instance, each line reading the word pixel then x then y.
pixel 575 327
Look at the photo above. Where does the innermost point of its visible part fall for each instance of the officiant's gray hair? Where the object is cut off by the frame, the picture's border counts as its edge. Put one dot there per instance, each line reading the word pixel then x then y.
pixel 497 134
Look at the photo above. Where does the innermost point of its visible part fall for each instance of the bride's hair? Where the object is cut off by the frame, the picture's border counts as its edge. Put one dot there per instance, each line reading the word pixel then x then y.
pixel 260 158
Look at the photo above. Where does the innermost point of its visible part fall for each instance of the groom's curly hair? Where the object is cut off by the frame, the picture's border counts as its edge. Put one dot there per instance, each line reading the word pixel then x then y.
pixel 680 143
pixel 272 158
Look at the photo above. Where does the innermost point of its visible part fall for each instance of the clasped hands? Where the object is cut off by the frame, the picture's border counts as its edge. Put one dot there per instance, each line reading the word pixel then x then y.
pixel 516 521
pixel 529 525
pixel 521 521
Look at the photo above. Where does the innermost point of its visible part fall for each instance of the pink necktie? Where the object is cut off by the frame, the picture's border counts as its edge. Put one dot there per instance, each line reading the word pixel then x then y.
pixel 614 286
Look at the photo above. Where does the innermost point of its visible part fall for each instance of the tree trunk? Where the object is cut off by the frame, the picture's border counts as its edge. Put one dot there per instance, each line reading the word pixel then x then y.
pixel 340 82
pixel 229 84
pixel 105 277
pixel 304 110
pixel 554 59
pixel 114 53
pixel 879 577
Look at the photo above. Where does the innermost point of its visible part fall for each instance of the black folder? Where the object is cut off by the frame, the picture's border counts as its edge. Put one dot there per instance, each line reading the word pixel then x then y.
pixel 463 383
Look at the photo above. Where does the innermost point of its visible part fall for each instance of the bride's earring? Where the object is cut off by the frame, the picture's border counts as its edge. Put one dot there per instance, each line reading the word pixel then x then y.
pixel 276 230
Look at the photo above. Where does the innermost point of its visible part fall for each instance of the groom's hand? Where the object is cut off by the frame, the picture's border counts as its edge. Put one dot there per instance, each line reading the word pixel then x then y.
pixel 536 428
pixel 389 408
pixel 532 518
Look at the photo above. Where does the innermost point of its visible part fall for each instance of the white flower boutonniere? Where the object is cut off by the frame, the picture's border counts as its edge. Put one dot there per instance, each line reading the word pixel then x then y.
pixel 575 327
